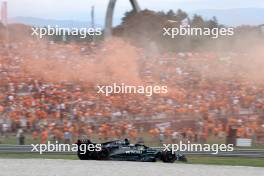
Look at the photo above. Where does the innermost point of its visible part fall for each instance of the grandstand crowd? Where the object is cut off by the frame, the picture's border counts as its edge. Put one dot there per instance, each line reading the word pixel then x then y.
pixel 200 88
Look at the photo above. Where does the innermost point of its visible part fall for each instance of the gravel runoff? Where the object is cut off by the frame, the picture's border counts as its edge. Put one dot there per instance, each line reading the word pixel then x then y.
pixel 47 167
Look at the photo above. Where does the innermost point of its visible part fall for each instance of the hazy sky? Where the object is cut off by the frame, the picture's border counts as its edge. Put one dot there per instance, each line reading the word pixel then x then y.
pixel 80 9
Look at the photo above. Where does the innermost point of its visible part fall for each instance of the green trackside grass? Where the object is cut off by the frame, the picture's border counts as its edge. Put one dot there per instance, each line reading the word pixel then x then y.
pixel 36 156
pixel 228 161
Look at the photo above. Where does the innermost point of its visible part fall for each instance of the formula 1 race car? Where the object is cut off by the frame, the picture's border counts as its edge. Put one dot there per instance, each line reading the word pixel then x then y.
pixel 122 150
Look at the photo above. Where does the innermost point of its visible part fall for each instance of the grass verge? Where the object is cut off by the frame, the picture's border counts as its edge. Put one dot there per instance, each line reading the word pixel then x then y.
pixel 229 161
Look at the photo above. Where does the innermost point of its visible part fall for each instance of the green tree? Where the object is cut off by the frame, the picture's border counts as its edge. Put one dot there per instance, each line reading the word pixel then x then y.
pixel 181 15
pixel 213 23
pixel 170 15
pixel 197 21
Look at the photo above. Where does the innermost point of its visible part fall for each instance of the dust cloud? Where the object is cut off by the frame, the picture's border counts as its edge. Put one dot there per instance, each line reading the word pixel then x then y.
pixel 115 61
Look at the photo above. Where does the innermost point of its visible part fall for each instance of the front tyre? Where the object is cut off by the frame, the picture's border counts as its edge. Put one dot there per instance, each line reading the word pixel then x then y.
pixel 182 158
pixel 168 157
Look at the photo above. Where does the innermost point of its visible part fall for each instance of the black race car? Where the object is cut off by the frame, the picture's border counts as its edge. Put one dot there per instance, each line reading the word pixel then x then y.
pixel 122 150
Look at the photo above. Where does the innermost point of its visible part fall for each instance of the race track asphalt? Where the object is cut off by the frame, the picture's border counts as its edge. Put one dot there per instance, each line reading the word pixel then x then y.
pixel 47 167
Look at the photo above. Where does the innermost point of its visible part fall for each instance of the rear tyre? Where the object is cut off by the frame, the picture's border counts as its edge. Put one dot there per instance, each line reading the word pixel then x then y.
pixel 103 154
pixel 82 153
pixel 83 156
